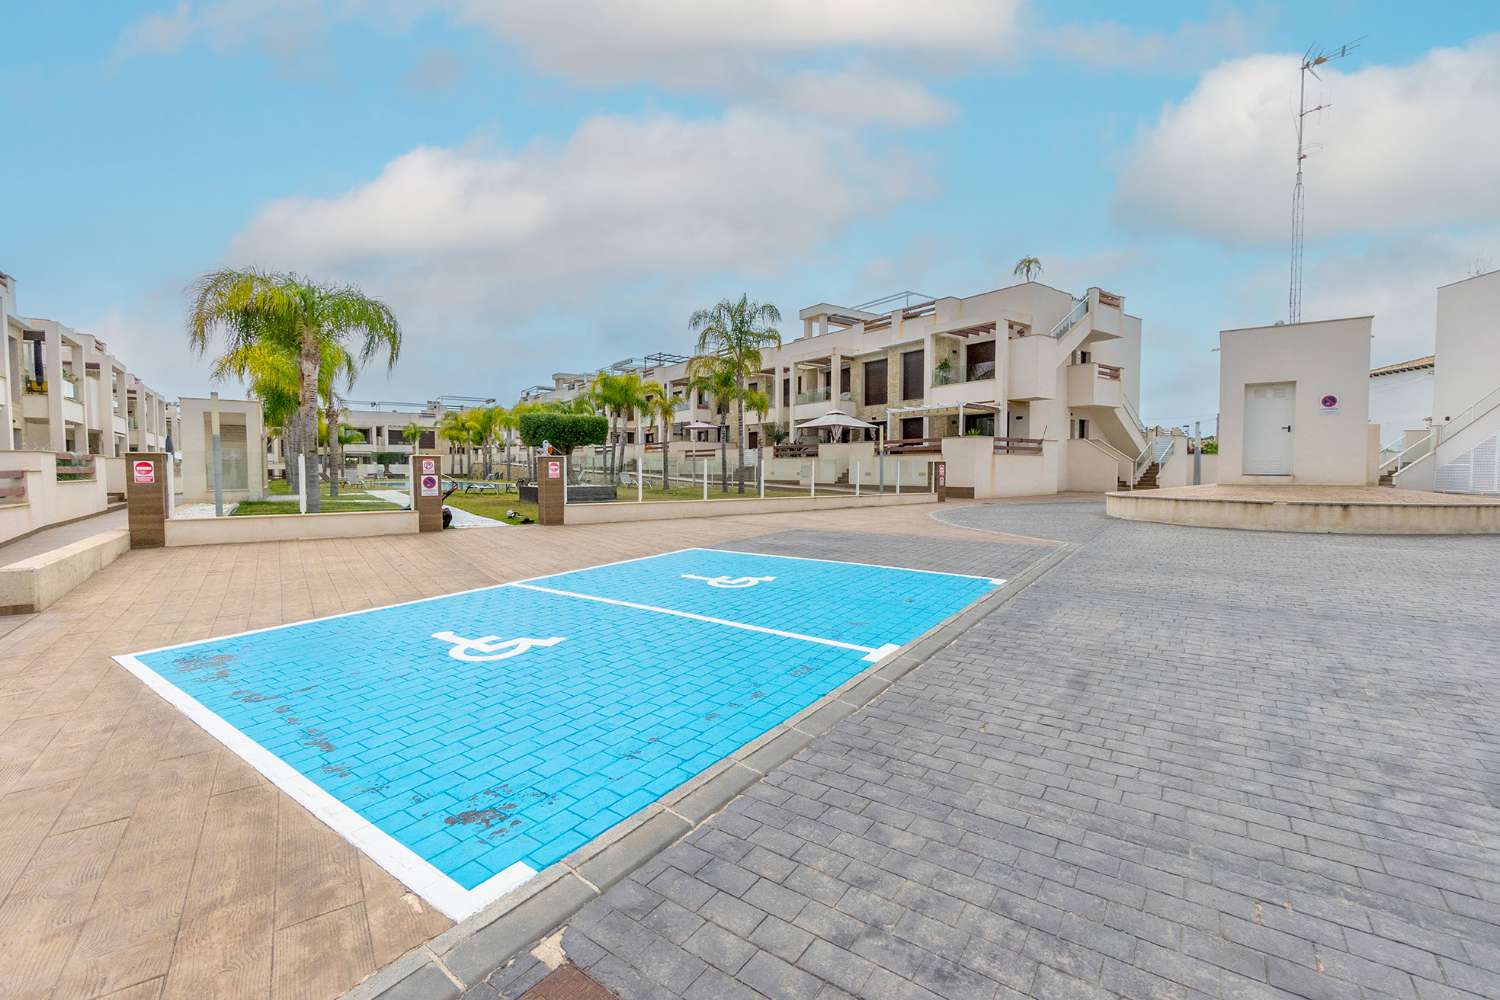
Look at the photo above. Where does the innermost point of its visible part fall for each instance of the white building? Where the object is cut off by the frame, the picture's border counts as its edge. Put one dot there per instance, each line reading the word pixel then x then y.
pixel 1022 390
pixel 1401 398
pixel 66 393
pixel 1466 389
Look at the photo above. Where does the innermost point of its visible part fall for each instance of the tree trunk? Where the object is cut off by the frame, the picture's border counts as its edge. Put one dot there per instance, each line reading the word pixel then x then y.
pixel 724 454
pixel 739 435
pixel 335 452
pixel 309 361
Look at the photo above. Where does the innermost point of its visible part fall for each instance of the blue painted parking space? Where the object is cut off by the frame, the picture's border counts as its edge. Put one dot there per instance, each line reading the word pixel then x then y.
pixel 470 740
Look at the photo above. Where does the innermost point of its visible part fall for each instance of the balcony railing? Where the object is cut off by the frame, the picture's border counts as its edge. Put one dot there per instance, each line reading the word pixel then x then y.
pixel 1018 446
pixel 976 372
pixel 813 396
pixel 1110 373
pixel 1079 310
pixel 907 446
pixel 795 451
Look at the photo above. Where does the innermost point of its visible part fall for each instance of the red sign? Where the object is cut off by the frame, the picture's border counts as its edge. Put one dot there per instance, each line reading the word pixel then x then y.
pixel 145 472
pixel 429 466
pixel 554 470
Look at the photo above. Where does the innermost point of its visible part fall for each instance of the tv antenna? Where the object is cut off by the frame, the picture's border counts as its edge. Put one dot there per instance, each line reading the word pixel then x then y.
pixel 1311 60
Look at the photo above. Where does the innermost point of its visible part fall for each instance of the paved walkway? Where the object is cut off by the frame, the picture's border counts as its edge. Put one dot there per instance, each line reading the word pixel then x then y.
pixel 64 534
pixel 1182 764
pixel 139 859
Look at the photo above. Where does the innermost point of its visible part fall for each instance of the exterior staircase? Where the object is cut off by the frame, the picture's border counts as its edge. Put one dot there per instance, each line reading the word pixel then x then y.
pixel 1147 480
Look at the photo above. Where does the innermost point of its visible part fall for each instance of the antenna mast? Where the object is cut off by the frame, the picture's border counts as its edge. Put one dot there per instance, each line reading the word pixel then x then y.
pixel 1310 61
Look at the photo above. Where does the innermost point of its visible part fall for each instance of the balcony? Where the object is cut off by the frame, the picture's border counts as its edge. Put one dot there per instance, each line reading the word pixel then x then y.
pixel 1095 384
pixel 953 375
pixel 814 396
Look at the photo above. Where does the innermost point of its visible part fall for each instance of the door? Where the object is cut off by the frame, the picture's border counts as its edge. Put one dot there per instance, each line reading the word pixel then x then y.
pixel 1269 430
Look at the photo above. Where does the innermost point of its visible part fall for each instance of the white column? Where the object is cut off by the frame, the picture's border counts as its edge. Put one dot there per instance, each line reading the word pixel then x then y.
pixel 52 363
pixel 929 361
pixel 834 361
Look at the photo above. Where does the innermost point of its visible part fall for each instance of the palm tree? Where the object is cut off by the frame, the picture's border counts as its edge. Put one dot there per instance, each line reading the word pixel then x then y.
pixel 507 422
pixel 660 406
pixel 412 434
pixel 715 374
pixel 1027 268
pixel 455 430
pixel 271 371
pixel 737 332
pixel 484 428
pixel 621 397
pixel 338 436
pixel 249 306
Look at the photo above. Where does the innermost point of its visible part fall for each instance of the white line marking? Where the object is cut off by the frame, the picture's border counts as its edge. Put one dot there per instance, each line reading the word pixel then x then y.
pixel 839 562
pixel 408 867
pixel 695 617
pixel 876 655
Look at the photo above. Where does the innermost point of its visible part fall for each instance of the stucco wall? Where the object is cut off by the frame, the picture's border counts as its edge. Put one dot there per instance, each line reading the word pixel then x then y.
pixel 1331 356
pixel 290 527
pixel 1468 350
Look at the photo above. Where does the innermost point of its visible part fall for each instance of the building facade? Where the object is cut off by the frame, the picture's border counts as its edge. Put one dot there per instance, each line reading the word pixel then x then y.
pixel 1021 390
pixel 1466 389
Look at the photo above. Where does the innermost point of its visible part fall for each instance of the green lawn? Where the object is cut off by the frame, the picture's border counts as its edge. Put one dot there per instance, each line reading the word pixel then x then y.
pixel 279 488
pixel 489 505
pixel 327 506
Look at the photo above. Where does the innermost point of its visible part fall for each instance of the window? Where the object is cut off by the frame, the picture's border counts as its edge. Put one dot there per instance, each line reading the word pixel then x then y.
pixel 911 375
pixel 875 391
pixel 844 379
pixel 911 427
pixel 786 391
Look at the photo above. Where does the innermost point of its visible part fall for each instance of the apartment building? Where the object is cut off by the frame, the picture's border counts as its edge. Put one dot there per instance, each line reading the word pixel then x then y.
pixel 1021 390
pixel 65 391
pixel 382 427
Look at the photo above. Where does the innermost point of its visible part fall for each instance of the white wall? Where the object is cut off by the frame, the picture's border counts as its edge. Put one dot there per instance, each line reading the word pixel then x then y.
pixel 1468 344
pixel 1332 356
pixel 1401 402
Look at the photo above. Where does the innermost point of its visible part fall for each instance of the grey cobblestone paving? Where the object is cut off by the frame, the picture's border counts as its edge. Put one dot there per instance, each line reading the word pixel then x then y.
pixel 1182 764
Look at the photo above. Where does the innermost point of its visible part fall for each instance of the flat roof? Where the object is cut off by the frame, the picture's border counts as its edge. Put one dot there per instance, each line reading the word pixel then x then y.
pixel 1286 326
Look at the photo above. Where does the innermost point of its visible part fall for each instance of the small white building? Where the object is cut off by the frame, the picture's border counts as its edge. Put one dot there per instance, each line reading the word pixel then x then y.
pixel 242 450
pixel 1401 398
pixel 1294 404
pixel 1466 388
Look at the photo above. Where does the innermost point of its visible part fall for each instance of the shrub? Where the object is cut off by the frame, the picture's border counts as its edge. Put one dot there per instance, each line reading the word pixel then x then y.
pixel 564 431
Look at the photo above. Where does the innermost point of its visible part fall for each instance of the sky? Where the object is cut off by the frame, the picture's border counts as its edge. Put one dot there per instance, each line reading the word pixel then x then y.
pixel 539 186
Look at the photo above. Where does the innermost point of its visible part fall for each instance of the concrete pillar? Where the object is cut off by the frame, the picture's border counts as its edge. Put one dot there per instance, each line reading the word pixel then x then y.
pixel 551 493
pixel 146 498
pixel 52 362
pixel 833 379
pixel 427 491
pixel 929 361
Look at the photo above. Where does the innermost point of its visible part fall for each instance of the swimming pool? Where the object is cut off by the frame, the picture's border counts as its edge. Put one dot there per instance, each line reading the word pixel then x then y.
pixel 465 742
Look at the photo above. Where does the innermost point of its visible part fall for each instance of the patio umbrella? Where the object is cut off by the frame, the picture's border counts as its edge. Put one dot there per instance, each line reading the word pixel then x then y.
pixel 702 425
pixel 834 418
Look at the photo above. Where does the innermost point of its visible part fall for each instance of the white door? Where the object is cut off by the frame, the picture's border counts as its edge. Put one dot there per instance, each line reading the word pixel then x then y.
pixel 1269 431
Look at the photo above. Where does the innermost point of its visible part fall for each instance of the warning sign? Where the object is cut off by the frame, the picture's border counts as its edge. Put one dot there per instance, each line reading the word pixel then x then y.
pixel 429 466
pixel 429 486
pixel 554 470
pixel 144 472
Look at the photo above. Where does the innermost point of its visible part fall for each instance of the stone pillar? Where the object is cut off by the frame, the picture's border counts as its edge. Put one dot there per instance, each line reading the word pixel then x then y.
pixel 146 498
pixel 938 474
pixel 427 491
pixel 551 488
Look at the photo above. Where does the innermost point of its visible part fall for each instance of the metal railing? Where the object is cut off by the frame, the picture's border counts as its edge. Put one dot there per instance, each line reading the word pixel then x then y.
pixel 1079 310
pixel 975 372
pixel 795 451
pixel 1406 456
pixel 899 446
pixel 1156 452
pixel 1487 403
pixel 1135 417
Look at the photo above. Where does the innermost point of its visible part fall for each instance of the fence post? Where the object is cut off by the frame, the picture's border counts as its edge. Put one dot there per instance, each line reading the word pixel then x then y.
pixel 760 458
pixel 146 499
pixel 812 478
pixel 856 479
pixel 898 477
pixel 302 482
pixel 426 491
pixel 705 479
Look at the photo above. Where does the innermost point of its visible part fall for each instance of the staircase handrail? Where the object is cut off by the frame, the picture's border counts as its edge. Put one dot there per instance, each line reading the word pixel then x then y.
pixel 1395 463
pixel 1151 453
pixel 1080 309
pixel 1135 417
pixel 1486 403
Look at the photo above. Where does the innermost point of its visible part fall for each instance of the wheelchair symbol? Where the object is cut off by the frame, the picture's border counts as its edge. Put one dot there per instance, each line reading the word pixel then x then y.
pixel 491 647
pixel 730 582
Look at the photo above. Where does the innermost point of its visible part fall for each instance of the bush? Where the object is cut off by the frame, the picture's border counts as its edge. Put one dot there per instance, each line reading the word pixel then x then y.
pixel 564 431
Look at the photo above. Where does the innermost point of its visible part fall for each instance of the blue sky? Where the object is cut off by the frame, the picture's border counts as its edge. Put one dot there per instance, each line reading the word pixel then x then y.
pixel 537 187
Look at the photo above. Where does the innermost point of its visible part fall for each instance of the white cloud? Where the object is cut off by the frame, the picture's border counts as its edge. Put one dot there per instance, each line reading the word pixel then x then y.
pixel 1402 146
pixel 1114 45
pixel 1396 280
pixel 474 242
